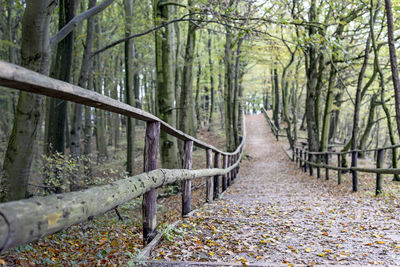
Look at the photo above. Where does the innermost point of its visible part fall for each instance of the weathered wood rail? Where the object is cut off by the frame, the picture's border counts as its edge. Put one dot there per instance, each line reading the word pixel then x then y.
pixel 310 160
pixel 275 130
pixel 27 220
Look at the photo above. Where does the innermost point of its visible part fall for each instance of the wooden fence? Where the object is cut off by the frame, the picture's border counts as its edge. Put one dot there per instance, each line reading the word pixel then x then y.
pixel 27 220
pixel 274 130
pixel 310 160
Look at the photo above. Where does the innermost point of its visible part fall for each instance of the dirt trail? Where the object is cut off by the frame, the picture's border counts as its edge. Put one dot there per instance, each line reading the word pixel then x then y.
pixel 275 213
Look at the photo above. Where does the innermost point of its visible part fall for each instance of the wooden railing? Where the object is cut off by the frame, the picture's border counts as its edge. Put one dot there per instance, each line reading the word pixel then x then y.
pixel 310 160
pixel 274 129
pixel 27 220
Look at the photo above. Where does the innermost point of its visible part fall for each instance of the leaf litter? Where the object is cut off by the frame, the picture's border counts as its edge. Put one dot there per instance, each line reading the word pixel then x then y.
pixel 275 213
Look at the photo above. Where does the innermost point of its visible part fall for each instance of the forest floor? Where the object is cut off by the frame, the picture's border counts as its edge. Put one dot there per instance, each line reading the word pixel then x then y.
pixel 277 214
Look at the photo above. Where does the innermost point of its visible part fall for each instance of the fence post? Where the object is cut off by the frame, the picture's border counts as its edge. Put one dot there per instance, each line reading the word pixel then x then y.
pixel 305 163
pixel 310 158
pixel 339 173
pixel 297 154
pixel 225 180
pixel 327 163
pixel 187 185
pixel 354 157
pixel 228 174
pixel 300 158
pixel 217 159
pixel 209 179
pixel 235 169
pixel 293 155
pixel 318 168
pixel 379 165
pixel 149 204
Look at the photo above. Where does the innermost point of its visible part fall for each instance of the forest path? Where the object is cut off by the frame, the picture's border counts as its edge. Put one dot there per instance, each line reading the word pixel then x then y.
pixel 275 213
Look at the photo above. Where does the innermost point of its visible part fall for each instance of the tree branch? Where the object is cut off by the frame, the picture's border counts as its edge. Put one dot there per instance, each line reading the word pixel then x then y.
pixel 70 26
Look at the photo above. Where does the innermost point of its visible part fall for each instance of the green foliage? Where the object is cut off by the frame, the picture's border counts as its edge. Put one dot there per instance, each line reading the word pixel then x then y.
pixel 61 173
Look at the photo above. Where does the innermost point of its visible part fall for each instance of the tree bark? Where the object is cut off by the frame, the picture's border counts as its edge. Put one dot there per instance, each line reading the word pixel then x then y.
pixel 187 79
pixel 129 94
pixel 212 88
pixel 35 55
pixel 393 60
pixel 62 71
pixel 82 82
pixel 165 84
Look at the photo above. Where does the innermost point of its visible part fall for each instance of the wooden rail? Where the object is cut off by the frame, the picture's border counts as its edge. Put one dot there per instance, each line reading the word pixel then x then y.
pixel 27 220
pixel 275 130
pixel 325 156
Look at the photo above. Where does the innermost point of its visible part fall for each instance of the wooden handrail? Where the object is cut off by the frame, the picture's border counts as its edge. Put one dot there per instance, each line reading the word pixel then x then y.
pixel 379 170
pixel 17 77
pixel 26 220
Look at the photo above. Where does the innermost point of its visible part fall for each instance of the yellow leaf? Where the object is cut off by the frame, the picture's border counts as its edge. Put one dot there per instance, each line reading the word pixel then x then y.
pixel 114 243
pixel 380 242
pixel 308 249
pixel 321 255
pixel 211 253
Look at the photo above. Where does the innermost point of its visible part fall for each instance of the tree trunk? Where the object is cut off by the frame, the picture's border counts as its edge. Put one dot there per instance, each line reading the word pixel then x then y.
pixel 276 99
pixel 396 177
pixel 393 60
pixel 370 123
pixel 82 82
pixel 165 84
pixel 62 71
pixel 98 83
pixel 187 79
pixel 313 59
pixel 35 55
pixel 235 113
pixel 129 93
pixel 212 89
pixel 228 90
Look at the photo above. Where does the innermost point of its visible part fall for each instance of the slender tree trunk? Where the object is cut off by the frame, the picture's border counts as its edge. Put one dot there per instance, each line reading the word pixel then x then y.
pixel 35 55
pixel 370 123
pixel 212 88
pixel 396 177
pixel 235 113
pixel 98 83
pixel 393 60
pixel 197 102
pixel 276 99
pixel 115 117
pixel 313 59
pixel 221 102
pixel 62 71
pixel 187 78
pixel 326 121
pixel 82 82
pixel 129 90
pixel 228 90
pixel 165 84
